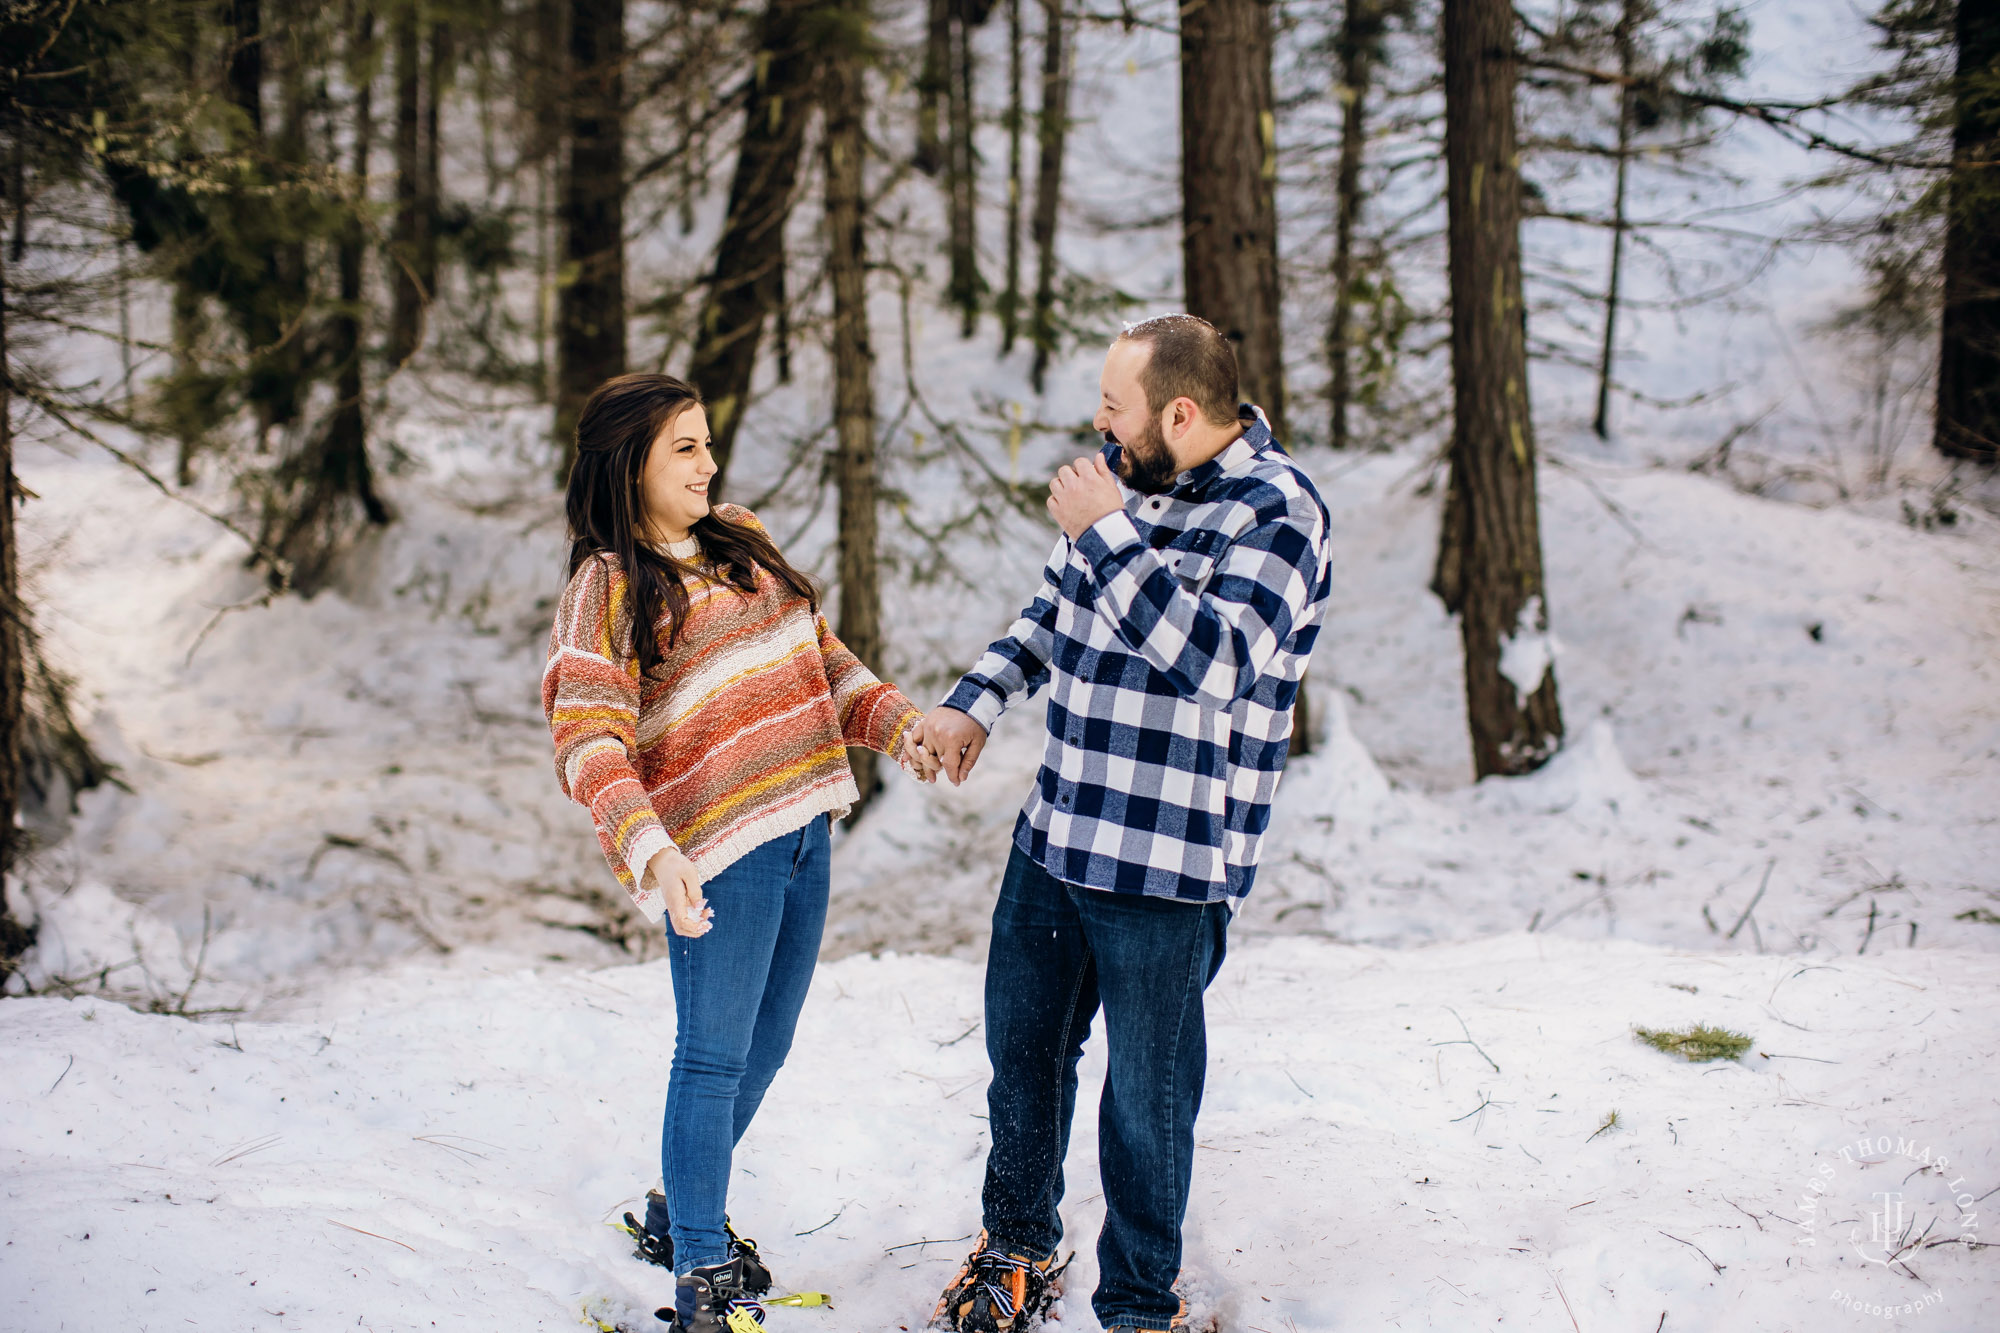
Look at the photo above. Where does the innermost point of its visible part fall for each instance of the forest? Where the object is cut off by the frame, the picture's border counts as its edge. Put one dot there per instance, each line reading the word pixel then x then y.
pixel 1646 352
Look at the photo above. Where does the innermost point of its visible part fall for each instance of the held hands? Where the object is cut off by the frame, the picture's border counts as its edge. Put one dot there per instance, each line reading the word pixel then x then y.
pixel 917 759
pixel 1081 493
pixel 680 883
pixel 954 741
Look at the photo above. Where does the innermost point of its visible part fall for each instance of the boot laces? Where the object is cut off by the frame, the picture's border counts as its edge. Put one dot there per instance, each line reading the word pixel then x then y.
pixel 992 1269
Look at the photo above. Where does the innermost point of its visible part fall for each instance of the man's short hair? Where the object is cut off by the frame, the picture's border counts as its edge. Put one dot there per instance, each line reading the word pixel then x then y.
pixel 1191 359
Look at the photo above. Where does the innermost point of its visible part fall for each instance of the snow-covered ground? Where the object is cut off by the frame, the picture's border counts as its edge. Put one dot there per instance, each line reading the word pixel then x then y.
pixel 1391 1139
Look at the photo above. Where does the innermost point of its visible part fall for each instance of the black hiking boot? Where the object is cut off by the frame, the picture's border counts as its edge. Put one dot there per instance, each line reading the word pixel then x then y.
pixel 653 1243
pixel 715 1299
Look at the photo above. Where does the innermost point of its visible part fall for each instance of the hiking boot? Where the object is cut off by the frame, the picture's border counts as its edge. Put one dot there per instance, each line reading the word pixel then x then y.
pixel 654 1244
pixel 715 1299
pixel 998 1292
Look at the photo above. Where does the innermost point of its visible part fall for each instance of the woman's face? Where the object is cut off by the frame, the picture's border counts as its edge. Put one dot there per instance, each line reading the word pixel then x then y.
pixel 674 482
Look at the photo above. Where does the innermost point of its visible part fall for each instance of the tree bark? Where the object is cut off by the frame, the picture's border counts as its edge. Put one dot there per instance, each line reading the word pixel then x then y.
pixel 1010 292
pixel 747 284
pixel 1229 175
pixel 590 315
pixel 430 187
pixel 1051 135
pixel 13 678
pixel 326 490
pixel 1493 451
pixel 962 173
pixel 842 97
pixel 1628 19
pixel 406 236
pixel 933 81
pixel 1359 48
pixel 1968 401
pixel 246 63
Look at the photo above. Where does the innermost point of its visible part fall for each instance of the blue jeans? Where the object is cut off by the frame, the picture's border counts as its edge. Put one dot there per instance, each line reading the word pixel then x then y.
pixel 737 995
pixel 1059 953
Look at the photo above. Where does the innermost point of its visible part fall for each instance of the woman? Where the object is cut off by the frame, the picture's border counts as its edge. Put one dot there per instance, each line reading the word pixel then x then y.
pixel 701 709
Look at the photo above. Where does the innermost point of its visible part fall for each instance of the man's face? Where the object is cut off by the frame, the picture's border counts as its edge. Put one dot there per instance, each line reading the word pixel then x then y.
pixel 1145 463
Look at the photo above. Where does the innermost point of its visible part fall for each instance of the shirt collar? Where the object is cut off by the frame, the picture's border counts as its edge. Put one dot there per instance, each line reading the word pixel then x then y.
pixel 1256 438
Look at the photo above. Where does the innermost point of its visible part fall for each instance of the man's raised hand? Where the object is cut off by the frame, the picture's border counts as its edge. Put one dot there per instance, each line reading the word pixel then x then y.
pixel 1082 492
pixel 955 739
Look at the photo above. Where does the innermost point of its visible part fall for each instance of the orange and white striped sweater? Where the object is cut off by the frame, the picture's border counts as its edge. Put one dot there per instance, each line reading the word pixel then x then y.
pixel 739 736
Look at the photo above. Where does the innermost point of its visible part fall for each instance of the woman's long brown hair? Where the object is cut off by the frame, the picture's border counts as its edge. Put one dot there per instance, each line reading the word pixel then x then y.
pixel 606 505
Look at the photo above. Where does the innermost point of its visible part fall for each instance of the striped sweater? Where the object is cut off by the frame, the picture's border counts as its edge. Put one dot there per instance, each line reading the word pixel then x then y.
pixel 737 737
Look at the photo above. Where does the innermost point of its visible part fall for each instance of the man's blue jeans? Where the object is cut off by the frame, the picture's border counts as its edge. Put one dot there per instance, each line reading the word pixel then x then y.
pixel 1060 952
pixel 737 995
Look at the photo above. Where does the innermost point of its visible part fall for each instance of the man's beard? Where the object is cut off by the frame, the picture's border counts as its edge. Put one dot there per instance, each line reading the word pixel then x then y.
pixel 1144 464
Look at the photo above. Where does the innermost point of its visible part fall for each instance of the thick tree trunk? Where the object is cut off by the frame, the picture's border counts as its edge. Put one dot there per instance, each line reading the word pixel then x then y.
pixel 1359 47
pixel 590 316
pixel 1010 292
pixel 1627 21
pixel 407 232
pixel 1229 176
pixel 1051 134
pixel 1968 403
pixel 1499 560
pixel 748 281
pixel 842 96
pixel 962 174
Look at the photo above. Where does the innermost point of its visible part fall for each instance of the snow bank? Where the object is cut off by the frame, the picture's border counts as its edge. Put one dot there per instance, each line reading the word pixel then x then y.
pixel 1390 1139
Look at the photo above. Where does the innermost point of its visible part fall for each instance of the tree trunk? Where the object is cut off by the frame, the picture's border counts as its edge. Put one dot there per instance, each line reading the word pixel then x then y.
pixel 1229 175
pixel 1359 47
pixel 430 189
pixel 842 96
pixel 1493 451
pixel 1968 403
pixel 327 489
pixel 1051 134
pixel 13 681
pixel 932 83
pixel 1627 21
pixel 962 176
pixel 590 316
pixel 246 64
pixel 406 232
pixel 748 281
pixel 1010 293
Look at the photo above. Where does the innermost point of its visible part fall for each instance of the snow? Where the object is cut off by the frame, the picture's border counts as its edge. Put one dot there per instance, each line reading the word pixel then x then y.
pixel 1527 654
pixel 396 1048
pixel 445 1145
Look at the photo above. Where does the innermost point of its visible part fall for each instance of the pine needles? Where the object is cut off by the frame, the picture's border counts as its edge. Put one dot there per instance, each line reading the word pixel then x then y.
pixel 1698 1043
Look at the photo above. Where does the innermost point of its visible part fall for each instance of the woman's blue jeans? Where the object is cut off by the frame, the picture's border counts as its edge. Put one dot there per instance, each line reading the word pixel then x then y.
pixel 737 995
pixel 1061 953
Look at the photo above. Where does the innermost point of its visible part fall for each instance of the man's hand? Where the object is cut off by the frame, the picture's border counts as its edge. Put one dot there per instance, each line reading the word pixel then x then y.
pixel 917 758
pixel 955 739
pixel 1081 493
pixel 680 883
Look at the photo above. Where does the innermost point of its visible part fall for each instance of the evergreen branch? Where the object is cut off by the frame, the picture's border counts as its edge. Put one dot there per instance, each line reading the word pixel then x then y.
pixel 279 567
pixel 1780 116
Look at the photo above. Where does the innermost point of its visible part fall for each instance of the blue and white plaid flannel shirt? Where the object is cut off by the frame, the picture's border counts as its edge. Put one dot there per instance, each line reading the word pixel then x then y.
pixel 1176 632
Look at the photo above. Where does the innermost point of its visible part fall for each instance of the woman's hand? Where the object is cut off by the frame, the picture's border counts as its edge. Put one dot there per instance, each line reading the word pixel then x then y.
pixel 680 884
pixel 918 759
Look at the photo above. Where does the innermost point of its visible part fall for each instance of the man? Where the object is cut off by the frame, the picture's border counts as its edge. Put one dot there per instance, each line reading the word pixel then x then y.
pixel 1174 623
